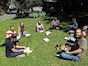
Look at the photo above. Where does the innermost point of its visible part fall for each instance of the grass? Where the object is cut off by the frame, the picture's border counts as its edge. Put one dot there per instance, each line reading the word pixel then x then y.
pixel 43 53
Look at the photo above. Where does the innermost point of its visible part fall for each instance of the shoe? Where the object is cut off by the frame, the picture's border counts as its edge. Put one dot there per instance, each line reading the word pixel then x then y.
pixel 57 55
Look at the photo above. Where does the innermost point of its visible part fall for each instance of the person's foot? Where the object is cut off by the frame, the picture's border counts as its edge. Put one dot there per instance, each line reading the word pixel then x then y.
pixel 30 51
pixel 57 55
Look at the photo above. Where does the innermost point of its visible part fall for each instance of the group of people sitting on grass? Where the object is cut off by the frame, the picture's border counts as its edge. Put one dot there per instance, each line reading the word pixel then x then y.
pixel 75 47
pixel 55 24
pixel 12 38
pixel 76 44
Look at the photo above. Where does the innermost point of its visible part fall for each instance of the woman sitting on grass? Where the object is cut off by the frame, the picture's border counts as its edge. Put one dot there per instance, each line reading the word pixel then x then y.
pixel 11 32
pixel 55 24
pixel 39 27
pixel 14 49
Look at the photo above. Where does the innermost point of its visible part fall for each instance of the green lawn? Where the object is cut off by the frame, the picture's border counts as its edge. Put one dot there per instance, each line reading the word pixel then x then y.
pixel 43 53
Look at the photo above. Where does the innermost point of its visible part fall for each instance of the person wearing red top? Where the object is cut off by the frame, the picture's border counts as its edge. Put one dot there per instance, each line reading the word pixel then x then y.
pixel 11 33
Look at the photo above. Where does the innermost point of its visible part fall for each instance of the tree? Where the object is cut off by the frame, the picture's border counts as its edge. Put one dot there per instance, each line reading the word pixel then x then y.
pixel 3 6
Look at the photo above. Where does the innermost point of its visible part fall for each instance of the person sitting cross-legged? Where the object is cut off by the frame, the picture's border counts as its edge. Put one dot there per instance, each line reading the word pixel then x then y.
pixel 13 49
pixel 39 27
pixel 55 24
pixel 73 25
pixel 77 54
pixel 62 48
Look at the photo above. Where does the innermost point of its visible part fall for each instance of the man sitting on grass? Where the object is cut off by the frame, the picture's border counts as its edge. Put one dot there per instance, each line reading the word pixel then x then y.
pixel 76 54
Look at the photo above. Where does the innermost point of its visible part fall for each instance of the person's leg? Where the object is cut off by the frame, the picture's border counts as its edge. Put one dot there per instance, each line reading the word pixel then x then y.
pixel 20 49
pixel 25 50
pixel 24 33
pixel 69 57
pixel 14 54
pixel 20 52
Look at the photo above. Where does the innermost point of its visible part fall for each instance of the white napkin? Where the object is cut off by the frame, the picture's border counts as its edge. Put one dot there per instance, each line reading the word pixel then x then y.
pixel 27 35
pixel 48 33
pixel 46 39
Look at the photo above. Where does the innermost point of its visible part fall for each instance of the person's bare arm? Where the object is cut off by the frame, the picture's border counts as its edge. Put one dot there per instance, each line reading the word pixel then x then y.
pixel 75 51
pixel 14 50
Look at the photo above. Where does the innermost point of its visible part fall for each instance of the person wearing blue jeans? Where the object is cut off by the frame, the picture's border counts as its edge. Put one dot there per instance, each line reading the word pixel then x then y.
pixel 66 56
pixel 75 55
